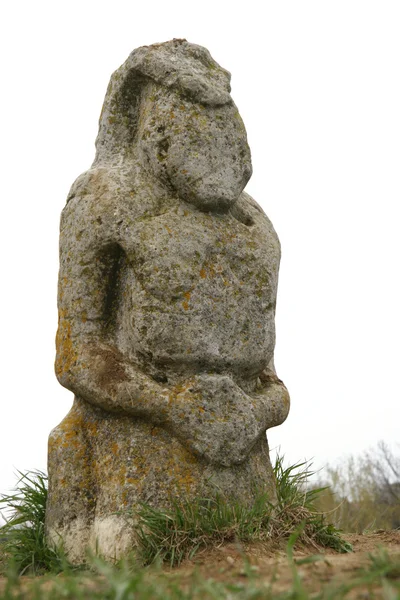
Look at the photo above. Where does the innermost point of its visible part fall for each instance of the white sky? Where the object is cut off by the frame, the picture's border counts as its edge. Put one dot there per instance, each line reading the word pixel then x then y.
pixel 317 84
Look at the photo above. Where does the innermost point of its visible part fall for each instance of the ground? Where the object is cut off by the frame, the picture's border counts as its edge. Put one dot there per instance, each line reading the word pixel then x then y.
pixel 261 565
pixel 226 563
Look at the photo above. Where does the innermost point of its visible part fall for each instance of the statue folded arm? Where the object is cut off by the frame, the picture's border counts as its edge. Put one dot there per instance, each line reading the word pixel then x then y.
pixel 88 362
pixel 214 418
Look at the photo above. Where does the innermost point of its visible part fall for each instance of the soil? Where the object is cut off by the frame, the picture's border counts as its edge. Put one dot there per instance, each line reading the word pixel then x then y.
pixel 232 563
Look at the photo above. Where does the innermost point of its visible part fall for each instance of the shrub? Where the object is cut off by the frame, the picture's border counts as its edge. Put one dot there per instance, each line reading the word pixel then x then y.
pixel 363 492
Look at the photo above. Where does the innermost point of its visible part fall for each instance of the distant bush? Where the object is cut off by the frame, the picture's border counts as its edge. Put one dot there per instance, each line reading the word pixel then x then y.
pixel 364 491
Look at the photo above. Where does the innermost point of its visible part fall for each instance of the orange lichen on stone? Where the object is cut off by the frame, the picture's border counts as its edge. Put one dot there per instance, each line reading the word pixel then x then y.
pixel 185 303
pixel 182 469
pixel 211 271
pixel 92 427
pixel 66 352
pixel 62 285
pixel 168 229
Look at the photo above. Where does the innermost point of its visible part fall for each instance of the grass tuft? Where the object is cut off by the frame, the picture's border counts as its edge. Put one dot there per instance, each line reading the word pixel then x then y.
pixel 23 538
pixel 384 565
pixel 174 535
pixel 296 505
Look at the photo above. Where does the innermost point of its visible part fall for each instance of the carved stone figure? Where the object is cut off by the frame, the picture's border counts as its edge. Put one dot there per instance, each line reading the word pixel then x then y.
pixel 167 291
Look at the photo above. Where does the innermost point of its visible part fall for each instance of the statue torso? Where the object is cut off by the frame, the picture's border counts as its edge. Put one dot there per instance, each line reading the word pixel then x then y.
pixel 197 292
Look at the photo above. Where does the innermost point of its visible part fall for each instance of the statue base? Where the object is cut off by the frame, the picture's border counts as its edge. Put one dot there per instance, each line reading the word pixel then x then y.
pixel 102 466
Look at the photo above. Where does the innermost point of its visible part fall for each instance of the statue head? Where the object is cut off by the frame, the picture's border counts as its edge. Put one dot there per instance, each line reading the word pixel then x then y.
pixel 169 106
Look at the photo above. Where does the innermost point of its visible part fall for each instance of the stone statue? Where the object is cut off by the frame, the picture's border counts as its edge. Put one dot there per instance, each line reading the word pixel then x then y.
pixel 167 291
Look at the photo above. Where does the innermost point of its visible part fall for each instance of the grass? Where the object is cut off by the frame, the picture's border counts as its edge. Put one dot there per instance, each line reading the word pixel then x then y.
pixel 383 565
pixel 296 505
pixel 128 582
pixel 363 492
pixel 23 538
pixel 172 536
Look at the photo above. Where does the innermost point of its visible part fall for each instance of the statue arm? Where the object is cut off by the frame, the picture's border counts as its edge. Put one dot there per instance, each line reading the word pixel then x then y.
pixel 273 397
pixel 214 418
pixel 88 362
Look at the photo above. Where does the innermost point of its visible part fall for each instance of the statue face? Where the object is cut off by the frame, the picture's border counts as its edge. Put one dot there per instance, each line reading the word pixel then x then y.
pixel 199 151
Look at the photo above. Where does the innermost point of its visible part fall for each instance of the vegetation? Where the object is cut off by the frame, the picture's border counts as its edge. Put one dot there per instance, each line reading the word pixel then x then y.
pixel 379 578
pixel 173 536
pixel 363 493
pixel 22 538
pixel 170 537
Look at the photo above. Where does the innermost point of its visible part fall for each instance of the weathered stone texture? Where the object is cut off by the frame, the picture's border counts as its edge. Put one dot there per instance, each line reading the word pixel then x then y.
pixel 167 292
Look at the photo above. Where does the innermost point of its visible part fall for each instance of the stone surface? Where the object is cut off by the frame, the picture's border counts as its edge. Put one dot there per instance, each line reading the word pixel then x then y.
pixel 167 292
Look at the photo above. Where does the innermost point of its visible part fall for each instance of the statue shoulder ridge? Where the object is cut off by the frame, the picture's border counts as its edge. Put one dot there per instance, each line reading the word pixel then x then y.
pixel 246 199
pixel 93 181
pixel 249 211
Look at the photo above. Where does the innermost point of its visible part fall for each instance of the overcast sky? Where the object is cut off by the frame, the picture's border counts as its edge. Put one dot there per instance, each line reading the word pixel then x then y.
pixel 317 84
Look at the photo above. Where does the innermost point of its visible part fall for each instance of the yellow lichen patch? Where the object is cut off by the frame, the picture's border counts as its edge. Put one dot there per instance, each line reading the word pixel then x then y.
pixel 92 427
pixel 168 229
pixel 70 435
pixel 211 270
pixel 180 388
pixel 181 468
pixel 185 305
pixel 66 352
pixel 203 273
pixel 121 475
pixel 62 284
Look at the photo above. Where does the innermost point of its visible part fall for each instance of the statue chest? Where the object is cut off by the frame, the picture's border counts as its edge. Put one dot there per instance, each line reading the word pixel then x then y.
pixel 200 289
pixel 196 257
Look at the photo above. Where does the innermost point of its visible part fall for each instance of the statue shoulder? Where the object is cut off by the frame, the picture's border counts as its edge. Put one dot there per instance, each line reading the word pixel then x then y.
pixel 91 210
pixel 249 212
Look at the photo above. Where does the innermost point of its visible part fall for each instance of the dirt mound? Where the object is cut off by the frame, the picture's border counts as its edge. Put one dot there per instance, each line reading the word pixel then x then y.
pixel 270 564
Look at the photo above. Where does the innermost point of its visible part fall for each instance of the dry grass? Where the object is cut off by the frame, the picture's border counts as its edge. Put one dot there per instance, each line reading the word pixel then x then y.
pixel 363 492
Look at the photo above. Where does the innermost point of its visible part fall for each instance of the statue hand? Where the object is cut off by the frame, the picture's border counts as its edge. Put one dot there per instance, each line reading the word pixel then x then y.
pixel 215 419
